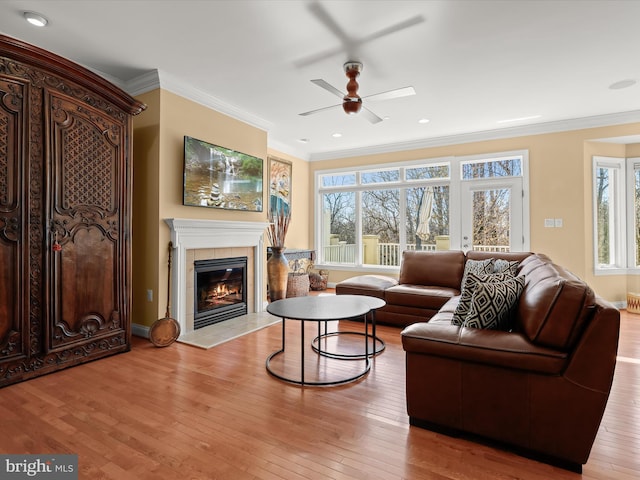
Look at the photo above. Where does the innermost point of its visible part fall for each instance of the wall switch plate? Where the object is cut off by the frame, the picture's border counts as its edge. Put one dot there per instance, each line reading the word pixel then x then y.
pixel 149 295
pixel 557 222
pixel 549 222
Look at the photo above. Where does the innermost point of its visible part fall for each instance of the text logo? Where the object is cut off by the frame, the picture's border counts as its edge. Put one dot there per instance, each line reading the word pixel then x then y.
pixel 45 466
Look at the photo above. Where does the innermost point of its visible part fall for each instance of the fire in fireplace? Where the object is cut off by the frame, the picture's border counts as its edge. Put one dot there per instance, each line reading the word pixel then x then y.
pixel 220 290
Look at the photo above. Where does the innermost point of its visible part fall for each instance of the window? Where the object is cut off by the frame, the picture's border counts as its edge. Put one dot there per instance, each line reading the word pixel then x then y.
pixel 632 199
pixel 366 217
pixel 609 213
pixel 634 233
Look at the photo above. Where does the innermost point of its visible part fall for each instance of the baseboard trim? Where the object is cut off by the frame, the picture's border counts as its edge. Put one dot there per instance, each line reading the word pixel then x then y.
pixel 140 330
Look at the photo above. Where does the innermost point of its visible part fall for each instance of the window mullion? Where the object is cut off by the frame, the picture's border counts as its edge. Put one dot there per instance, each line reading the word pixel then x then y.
pixel 359 245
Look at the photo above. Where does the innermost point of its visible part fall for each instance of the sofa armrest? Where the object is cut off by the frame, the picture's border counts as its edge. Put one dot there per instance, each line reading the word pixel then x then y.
pixel 491 347
pixel 599 341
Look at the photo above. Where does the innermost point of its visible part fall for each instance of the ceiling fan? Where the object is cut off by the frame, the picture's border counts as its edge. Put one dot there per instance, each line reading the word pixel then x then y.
pixel 351 101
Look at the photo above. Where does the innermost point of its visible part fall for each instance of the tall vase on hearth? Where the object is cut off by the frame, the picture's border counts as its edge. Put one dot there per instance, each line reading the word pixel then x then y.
pixel 277 265
pixel 277 274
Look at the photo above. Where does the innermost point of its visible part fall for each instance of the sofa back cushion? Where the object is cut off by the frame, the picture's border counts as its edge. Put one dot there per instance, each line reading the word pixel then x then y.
pixel 441 269
pixel 513 256
pixel 555 304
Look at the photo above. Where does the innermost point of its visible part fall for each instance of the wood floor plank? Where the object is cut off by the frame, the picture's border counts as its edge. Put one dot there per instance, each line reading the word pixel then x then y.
pixel 183 412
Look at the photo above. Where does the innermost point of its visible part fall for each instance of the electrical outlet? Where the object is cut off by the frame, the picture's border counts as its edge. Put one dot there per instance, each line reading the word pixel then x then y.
pixel 149 295
pixel 549 222
pixel 557 222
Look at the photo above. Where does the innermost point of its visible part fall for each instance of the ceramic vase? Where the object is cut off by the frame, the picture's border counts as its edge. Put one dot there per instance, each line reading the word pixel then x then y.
pixel 277 274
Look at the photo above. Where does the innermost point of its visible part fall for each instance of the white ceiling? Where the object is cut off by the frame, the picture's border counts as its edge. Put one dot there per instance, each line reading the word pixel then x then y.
pixel 472 63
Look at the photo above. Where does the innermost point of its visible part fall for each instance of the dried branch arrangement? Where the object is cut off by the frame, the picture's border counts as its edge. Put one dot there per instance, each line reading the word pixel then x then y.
pixel 278 226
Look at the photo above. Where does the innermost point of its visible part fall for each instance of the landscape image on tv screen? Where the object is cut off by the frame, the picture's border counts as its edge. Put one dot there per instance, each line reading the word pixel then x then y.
pixel 218 177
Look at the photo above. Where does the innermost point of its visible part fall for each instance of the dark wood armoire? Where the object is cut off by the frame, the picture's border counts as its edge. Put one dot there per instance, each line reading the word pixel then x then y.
pixel 65 213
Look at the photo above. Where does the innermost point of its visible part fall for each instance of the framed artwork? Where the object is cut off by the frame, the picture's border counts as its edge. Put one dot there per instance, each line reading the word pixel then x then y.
pixel 218 177
pixel 279 186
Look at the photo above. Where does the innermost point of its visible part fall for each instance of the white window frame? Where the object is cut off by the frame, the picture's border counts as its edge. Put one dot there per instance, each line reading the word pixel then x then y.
pixel 618 215
pixel 633 165
pixel 454 182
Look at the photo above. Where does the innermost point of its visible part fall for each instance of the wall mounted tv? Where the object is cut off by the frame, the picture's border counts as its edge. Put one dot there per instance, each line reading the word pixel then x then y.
pixel 218 177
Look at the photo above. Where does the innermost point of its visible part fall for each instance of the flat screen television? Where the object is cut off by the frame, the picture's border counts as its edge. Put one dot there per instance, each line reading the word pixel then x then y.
pixel 218 177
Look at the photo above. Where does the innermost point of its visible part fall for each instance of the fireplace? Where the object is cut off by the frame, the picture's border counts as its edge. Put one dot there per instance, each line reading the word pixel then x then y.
pixel 220 290
pixel 195 240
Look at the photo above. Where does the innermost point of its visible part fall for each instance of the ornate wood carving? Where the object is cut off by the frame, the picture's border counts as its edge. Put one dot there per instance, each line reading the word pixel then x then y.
pixel 64 213
pixel 12 106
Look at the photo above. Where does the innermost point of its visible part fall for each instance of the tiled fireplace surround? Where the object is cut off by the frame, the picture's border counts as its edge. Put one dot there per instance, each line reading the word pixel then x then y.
pixel 204 239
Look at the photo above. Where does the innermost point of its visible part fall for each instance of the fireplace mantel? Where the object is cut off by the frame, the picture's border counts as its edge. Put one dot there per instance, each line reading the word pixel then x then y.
pixel 189 234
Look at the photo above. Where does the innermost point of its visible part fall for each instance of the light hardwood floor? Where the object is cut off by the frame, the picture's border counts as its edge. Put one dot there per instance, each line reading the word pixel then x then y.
pixel 185 413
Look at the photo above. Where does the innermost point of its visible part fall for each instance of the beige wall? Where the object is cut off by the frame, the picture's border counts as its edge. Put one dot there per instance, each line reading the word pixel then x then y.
pixel 301 226
pixel 560 187
pixel 146 153
pixel 158 182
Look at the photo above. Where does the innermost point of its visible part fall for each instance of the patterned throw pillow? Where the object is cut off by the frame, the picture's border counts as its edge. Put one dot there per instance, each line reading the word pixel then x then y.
pixel 492 304
pixel 479 267
pixel 501 266
pixel 468 289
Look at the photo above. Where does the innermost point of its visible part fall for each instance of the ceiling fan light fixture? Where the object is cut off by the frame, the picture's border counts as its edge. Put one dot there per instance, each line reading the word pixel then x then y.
pixel 351 107
pixel 352 103
pixel 35 19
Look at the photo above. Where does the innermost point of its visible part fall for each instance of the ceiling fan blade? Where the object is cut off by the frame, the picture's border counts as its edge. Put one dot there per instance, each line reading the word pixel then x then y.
pixel 319 11
pixel 391 94
pixel 319 110
pixel 393 29
pixel 311 59
pixel 328 87
pixel 369 115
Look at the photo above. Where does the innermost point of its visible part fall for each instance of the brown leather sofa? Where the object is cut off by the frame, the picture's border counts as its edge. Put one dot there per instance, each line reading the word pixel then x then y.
pixel 426 282
pixel 540 389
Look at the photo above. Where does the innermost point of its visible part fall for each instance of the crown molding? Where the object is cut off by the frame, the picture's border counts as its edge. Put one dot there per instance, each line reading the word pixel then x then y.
pixel 510 132
pixel 288 149
pixel 157 79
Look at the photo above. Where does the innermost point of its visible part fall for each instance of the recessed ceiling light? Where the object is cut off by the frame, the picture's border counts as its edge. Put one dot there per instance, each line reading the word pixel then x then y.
pixel 336 135
pixel 303 140
pixel 622 84
pixel 35 19
pixel 424 120
pixel 519 119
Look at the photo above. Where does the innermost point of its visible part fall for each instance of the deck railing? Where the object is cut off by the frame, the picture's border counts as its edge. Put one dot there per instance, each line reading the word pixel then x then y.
pixel 388 254
pixel 341 253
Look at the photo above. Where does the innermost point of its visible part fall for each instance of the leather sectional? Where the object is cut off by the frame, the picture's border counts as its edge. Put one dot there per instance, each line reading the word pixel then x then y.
pixel 540 388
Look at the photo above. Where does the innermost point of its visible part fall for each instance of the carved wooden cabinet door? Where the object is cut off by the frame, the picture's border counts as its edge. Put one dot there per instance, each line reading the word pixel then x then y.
pixel 65 213
pixel 86 187
pixel 14 322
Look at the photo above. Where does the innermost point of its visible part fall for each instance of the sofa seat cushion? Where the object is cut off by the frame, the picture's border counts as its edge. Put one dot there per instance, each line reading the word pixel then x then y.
pixel 443 317
pixel 424 296
pixel 489 347
pixel 451 305
pixel 371 285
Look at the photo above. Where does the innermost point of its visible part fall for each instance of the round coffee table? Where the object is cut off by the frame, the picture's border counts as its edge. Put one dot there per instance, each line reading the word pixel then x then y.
pixel 321 309
pixel 374 303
